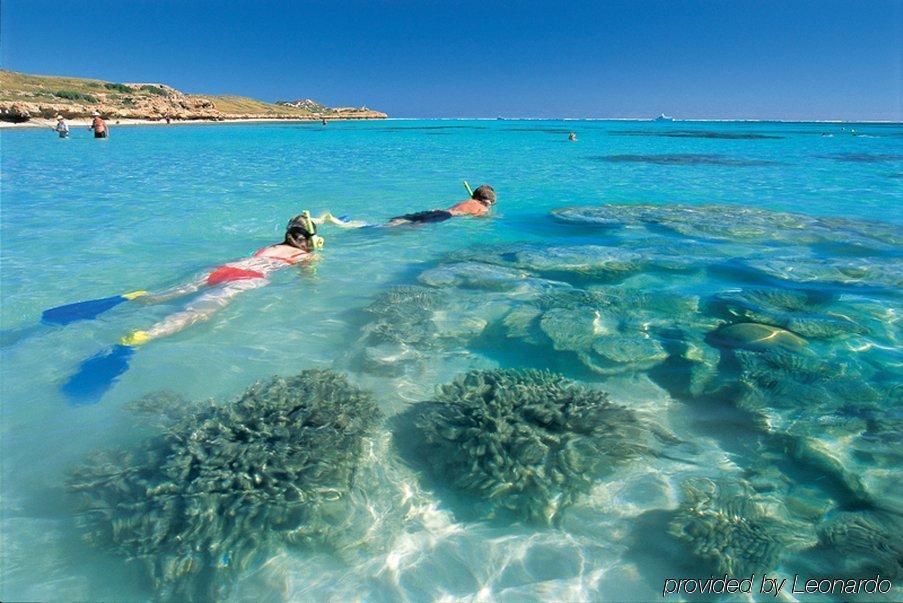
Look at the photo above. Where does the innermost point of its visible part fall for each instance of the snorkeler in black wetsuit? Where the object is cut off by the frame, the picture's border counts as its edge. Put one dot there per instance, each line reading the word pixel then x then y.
pixel 430 215
pixel 481 200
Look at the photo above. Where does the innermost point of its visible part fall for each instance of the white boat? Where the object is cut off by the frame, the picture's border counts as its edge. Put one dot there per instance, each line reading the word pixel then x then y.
pixel 663 117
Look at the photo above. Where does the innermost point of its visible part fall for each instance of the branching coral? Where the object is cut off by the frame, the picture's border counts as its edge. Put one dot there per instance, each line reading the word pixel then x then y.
pixel 529 441
pixel 869 542
pixel 728 529
pixel 403 314
pixel 224 482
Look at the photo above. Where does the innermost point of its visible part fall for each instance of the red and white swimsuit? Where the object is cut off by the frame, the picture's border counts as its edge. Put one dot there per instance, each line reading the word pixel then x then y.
pixel 255 267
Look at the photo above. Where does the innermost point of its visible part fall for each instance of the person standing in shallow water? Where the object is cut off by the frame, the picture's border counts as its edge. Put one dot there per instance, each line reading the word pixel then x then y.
pixel 101 130
pixel 61 127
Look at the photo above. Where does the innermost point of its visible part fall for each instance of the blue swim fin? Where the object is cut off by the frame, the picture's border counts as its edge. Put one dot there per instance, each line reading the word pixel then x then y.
pixel 97 374
pixel 85 310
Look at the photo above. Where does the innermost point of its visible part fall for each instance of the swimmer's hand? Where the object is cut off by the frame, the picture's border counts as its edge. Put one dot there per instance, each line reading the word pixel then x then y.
pixel 351 224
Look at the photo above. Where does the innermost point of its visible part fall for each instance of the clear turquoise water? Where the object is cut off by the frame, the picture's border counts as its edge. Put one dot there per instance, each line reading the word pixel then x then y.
pixel 153 206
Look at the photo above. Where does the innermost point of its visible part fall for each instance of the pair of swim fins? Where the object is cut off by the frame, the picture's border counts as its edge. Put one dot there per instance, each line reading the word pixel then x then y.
pixel 96 374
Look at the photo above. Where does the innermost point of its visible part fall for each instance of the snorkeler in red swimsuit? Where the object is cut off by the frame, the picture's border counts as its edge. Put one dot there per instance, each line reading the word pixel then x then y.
pixel 226 281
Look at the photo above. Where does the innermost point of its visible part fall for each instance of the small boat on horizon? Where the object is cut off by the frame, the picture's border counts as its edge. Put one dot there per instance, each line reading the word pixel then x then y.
pixel 663 117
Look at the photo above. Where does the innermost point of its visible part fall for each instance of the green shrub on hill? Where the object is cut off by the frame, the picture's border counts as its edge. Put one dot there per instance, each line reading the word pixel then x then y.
pixel 154 89
pixel 118 87
pixel 75 96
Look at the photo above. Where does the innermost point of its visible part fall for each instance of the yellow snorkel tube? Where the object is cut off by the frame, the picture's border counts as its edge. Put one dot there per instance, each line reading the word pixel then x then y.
pixel 316 241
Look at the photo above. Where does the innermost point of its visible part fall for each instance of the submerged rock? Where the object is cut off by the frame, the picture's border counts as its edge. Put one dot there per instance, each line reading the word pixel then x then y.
pixel 692 220
pixel 584 261
pixel 755 335
pixel 732 531
pixel 598 337
pixel 640 352
pixel 575 329
pixel 611 329
pixel 473 275
pixel 745 224
pixel 520 323
pixel 789 309
pixel 876 272
pixel 589 260
pixel 528 442
pixel 224 484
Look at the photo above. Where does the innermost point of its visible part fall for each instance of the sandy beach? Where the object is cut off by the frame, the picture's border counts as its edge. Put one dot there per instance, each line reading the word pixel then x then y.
pixel 76 123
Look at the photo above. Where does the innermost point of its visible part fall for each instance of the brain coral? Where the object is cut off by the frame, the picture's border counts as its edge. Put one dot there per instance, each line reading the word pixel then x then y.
pixel 222 483
pixel 528 441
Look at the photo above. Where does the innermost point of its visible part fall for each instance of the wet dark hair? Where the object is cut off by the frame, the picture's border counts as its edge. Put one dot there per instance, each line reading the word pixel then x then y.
pixel 484 192
pixel 297 235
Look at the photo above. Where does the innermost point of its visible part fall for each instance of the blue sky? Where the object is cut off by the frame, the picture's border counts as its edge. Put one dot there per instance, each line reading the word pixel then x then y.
pixel 711 59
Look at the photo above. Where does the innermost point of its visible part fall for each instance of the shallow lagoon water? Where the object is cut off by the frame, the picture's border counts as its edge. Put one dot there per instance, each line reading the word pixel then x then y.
pixel 781 226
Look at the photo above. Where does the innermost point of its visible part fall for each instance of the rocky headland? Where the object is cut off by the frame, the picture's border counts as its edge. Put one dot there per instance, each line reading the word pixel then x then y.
pixel 33 99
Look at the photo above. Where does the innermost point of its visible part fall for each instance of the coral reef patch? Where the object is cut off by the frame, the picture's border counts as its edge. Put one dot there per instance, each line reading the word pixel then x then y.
pixel 222 484
pixel 731 531
pixel 528 442
pixel 866 543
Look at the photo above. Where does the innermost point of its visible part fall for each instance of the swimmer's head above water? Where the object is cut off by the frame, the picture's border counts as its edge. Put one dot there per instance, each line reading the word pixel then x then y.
pixel 485 194
pixel 301 232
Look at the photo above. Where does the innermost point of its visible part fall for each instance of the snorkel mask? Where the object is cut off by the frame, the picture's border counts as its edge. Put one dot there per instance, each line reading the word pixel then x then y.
pixel 303 224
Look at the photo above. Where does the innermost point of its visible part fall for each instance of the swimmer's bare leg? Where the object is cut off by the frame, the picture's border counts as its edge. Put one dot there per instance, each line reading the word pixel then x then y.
pixel 173 292
pixel 203 308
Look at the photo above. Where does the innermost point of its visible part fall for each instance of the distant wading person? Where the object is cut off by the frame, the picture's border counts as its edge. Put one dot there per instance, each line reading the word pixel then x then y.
pixel 61 127
pixel 99 126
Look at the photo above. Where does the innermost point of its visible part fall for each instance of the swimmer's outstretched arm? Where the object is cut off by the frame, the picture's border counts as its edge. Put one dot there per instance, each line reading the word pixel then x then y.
pixel 328 217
